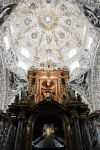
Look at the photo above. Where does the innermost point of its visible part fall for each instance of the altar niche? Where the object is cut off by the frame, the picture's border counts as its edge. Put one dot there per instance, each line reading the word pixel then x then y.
pixel 48 85
pixel 48 132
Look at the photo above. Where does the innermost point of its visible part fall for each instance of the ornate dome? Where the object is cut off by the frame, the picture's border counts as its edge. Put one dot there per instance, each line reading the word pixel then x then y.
pixel 45 32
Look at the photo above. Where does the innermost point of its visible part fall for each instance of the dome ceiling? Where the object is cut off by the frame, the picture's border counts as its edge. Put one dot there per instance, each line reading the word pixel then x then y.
pixel 45 31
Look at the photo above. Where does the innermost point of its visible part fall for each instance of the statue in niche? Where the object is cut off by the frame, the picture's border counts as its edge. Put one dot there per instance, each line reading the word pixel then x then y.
pixel 48 89
pixel 71 94
pixel 63 81
pixel 79 98
pixel 17 98
pixel 49 138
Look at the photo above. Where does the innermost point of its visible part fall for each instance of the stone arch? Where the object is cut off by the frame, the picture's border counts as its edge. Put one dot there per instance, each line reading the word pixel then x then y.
pixel 55 111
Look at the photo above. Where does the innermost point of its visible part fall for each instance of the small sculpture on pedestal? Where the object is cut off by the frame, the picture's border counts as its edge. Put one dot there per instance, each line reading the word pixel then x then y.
pixel 71 93
pixel 17 98
pixel 79 98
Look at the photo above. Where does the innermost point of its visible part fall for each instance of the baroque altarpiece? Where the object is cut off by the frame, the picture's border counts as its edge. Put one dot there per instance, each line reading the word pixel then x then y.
pixel 48 116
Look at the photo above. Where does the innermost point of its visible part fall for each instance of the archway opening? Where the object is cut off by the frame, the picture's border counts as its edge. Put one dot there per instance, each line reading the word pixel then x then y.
pixel 48 132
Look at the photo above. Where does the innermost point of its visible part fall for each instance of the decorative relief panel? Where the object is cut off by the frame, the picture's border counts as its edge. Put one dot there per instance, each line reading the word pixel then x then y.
pixel 83 85
pixel 96 82
pixel 2 70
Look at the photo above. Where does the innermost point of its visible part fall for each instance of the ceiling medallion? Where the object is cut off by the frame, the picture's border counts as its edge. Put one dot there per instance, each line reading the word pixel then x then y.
pixel 48 20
